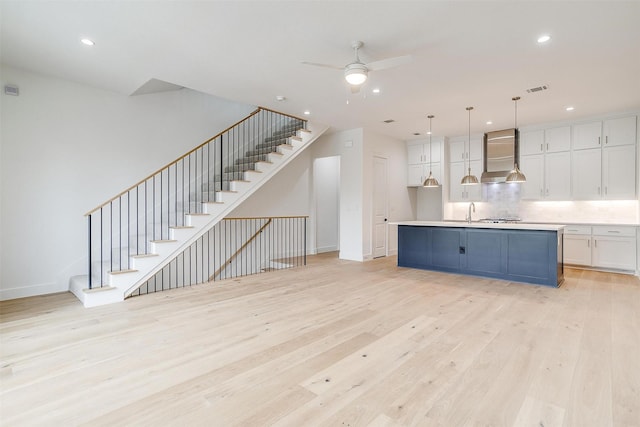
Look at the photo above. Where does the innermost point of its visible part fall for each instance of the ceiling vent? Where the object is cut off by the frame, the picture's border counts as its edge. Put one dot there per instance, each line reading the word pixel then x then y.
pixel 389 121
pixel 538 89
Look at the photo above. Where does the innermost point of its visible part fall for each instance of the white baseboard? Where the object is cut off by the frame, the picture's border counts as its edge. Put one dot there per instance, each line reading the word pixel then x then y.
pixel 32 291
pixel 327 249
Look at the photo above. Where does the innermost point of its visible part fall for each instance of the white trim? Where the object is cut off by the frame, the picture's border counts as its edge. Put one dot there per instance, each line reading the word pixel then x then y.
pixel 32 291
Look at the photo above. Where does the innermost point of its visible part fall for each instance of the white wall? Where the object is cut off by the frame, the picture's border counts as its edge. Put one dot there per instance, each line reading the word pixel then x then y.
pixel 400 198
pixel 326 179
pixel 349 146
pixel 65 148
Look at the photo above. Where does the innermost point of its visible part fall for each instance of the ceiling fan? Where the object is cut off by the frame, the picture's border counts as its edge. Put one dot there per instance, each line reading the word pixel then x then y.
pixel 356 72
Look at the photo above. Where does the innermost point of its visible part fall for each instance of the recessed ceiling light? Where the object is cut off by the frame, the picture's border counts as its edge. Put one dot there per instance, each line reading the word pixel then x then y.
pixel 280 98
pixel 87 42
pixel 376 90
pixel 570 108
pixel 544 38
pixel 428 132
pixel 307 112
pixel 489 122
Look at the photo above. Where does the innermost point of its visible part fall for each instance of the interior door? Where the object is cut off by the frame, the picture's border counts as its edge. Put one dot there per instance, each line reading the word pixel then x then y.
pixel 379 207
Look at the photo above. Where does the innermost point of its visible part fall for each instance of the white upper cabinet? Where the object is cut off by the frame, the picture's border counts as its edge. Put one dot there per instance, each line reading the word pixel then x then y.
pixel 419 151
pixel 586 174
pixel 531 142
pixel 557 139
pixel 557 176
pixel 464 193
pixel 619 172
pixel 620 131
pixel 545 160
pixel 419 156
pixel 587 135
pixel 608 169
pixel 461 149
pixel 607 133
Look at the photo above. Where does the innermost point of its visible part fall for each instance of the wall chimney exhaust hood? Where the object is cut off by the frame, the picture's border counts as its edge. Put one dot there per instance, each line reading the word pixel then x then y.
pixel 501 152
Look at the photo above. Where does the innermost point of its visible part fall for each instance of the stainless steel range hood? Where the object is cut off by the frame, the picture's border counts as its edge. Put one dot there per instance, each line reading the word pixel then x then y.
pixel 501 152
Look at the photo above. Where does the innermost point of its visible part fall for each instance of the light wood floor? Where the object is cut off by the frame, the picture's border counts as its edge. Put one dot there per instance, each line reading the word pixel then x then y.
pixel 336 343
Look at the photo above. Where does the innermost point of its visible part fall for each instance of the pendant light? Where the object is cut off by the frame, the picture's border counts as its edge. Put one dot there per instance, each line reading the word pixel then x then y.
pixel 469 179
pixel 516 174
pixel 430 181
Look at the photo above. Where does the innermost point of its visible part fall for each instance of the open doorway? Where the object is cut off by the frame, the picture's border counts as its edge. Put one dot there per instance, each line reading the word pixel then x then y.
pixel 326 182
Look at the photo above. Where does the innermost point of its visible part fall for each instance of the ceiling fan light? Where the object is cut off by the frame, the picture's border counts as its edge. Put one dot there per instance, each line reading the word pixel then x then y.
pixel 355 74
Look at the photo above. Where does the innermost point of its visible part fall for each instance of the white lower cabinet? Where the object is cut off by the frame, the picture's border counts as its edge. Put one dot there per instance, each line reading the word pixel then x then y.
pixel 607 247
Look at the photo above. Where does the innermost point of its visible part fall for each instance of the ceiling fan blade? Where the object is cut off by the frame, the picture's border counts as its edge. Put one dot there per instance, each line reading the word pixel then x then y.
pixel 389 62
pixel 315 64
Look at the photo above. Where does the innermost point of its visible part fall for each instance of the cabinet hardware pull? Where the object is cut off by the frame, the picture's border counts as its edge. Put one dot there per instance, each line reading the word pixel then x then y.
pixel 605 190
pixel 613 231
pixel 547 146
pixel 588 243
pixel 595 243
pixel 541 149
pixel 606 139
pixel 598 140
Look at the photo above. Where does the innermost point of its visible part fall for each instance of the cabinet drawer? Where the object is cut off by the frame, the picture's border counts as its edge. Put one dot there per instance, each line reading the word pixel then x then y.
pixel 578 229
pixel 606 230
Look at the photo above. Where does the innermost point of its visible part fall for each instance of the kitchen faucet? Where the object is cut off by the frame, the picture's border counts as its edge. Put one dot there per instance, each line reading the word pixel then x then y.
pixel 471 205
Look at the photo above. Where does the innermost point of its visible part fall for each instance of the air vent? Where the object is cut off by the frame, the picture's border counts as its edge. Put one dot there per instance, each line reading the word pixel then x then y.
pixel 538 89
pixel 416 133
pixel 389 121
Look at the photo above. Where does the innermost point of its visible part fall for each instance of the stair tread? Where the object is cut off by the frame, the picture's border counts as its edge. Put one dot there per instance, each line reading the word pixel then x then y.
pixel 180 227
pixel 198 214
pixel 130 270
pixel 143 255
pixel 98 288
pixel 164 241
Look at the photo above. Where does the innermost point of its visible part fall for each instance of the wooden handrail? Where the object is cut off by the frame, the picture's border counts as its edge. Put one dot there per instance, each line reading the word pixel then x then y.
pixel 265 217
pixel 236 253
pixel 256 111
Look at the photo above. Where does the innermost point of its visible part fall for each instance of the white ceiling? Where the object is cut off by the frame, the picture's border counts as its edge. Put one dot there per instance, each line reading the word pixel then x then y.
pixel 475 53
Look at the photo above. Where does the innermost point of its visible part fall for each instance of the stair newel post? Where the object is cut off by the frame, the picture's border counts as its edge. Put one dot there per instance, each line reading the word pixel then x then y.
pixel 89 238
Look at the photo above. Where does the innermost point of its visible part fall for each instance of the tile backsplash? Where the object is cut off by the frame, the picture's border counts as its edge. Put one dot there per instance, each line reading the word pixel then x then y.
pixel 503 200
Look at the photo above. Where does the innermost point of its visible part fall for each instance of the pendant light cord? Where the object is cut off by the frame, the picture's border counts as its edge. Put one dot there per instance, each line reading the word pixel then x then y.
pixel 430 152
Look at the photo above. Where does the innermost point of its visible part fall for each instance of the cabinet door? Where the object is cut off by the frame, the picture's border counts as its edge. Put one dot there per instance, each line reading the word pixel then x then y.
pixel 557 139
pixel 445 247
pixel 457 191
pixel 415 175
pixel 586 174
pixel 474 192
pixel 531 142
pixel 413 246
pixel 614 252
pixel 577 249
pixel 587 135
pixel 432 154
pixel 533 169
pixel 415 154
pixel 557 176
pixel 457 151
pixel 619 172
pixel 475 148
pixel 620 131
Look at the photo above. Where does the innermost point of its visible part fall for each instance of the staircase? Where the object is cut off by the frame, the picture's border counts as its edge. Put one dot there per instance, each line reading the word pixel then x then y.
pixel 134 235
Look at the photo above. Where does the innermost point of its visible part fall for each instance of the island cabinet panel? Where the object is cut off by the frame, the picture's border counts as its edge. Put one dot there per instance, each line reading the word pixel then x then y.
pixel 484 251
pixel 531 256
pixel 414 250
pixel 445 248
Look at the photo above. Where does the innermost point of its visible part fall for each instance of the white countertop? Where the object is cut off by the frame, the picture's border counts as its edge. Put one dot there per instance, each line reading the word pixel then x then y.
pixel 499 226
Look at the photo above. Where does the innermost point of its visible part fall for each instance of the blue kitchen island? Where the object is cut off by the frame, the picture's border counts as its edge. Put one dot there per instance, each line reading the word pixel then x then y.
pixel 529 253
